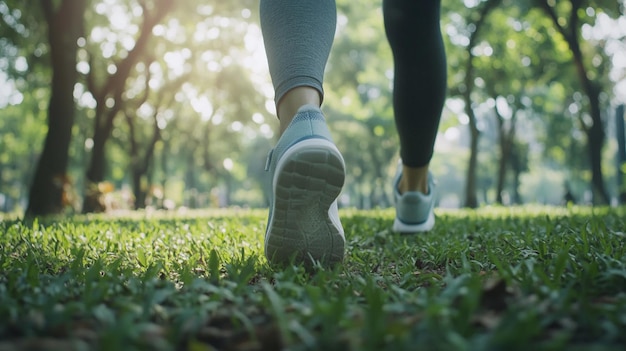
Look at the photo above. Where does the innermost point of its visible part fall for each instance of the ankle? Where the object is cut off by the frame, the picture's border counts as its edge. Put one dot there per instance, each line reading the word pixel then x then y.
pixel 414 179
pixel 292 101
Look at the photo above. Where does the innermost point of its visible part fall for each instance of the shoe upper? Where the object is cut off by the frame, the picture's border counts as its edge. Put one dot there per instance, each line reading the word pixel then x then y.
pixel 414 207
pixel 309 122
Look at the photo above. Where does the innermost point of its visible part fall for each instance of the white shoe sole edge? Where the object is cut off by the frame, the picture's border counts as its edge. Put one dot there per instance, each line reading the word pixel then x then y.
pixel 401 227
pixel 305 225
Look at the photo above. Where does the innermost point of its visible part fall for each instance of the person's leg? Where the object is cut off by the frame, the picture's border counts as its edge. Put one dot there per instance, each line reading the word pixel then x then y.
pixel 298 36
pixel 292 101
pixel 414 34
pixel 306 169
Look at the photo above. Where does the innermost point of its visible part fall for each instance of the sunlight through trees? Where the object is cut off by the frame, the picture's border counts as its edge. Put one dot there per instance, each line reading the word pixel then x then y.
pixel 169 104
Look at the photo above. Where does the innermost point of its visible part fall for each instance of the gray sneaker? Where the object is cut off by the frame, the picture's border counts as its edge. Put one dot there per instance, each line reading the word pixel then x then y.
pixel 307 173
pixel 414 209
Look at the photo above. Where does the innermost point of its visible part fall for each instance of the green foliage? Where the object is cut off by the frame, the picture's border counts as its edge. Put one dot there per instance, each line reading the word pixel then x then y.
pixel 208 81
pixel 358 102
pixel 495 278
pixel 21 126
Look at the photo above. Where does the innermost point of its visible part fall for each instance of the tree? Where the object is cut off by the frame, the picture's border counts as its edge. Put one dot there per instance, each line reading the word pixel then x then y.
pixel 195 69
pixel 110 99
pixel 65 26
pixel 512 63
pixel 139 163
pixel 153 111
pixel 465 89
pixel 569 26
pixel 620 130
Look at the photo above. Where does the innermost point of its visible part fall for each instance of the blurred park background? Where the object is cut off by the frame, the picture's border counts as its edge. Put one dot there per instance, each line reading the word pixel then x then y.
pixel 109 105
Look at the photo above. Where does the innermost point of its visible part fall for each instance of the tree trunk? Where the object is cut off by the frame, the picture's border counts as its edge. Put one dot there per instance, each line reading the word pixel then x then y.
pixel 502 163
pixel 595 133
pixel 95 171
pixel 65 26
pixel 190 183
pixel 138 191
pixel 165 171
pixel 621 153
pixel 516 198
pixel 504 155
pixel 595 137
pixel 471 199
pixel 506 136
pixel 140 165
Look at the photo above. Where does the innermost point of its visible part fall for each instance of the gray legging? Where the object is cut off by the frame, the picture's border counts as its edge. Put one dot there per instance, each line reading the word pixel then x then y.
pixel 298 36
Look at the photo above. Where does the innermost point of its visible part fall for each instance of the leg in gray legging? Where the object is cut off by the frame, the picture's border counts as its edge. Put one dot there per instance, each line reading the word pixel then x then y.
pixel 306 168
pixel 298 35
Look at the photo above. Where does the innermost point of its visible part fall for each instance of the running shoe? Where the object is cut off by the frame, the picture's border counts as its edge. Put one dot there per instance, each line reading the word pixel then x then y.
pixel 414 209
pixel 307 173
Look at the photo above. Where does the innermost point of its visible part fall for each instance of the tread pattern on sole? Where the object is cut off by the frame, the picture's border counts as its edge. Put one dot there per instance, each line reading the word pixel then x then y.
pixel 307 181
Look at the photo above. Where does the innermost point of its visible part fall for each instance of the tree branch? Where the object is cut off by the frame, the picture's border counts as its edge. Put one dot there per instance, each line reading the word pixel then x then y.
pixel 48 11
pixel 116 80
pixel 551 12
pixel 156 136
pixel 90 78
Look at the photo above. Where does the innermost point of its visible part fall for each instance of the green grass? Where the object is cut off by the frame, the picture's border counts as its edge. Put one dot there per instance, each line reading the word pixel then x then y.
pixel 492 279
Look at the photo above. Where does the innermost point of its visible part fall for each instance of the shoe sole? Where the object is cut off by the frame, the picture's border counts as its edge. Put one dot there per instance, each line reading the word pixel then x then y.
pixel 304 227
pixel 401 227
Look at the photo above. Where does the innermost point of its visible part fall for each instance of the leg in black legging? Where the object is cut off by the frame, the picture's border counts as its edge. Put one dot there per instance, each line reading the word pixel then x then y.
pixel 414 34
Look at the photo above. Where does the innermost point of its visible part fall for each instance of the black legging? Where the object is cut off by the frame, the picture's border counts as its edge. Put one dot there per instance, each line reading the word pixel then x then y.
pixel 298 36
pixel 419 88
